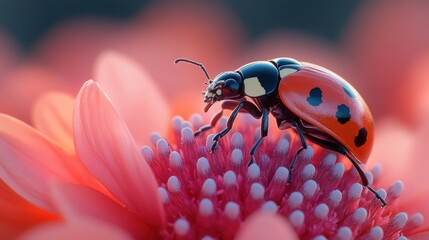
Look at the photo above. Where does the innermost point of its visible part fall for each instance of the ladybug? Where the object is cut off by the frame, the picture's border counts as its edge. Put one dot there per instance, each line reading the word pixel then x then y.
pixel 320 105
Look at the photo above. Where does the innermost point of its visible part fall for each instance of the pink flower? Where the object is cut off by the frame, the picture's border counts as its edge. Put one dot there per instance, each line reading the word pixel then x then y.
pixel 91 172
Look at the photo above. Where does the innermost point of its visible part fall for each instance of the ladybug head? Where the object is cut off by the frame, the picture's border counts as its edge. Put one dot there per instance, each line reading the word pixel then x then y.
pixel 225 86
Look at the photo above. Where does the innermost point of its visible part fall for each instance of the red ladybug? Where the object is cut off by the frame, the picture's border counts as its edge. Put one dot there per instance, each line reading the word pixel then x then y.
pixel 320 105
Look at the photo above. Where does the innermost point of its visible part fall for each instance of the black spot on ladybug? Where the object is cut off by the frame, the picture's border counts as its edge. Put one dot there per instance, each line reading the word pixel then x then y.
pixel 349 91
pixel 315 98
pixel 360 139
pixel 343 114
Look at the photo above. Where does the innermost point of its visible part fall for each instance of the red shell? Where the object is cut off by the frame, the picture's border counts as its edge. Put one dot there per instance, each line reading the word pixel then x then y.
pixel 294 90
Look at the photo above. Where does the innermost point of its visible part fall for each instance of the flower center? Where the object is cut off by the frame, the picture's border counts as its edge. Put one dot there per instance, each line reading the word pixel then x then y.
pixel 209 195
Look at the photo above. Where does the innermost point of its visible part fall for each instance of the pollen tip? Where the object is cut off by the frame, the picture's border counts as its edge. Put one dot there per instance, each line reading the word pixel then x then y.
pixel 321 211
pixel 164 195
pixel 295 200
pixel 355 191
pixel 177 123
pixel 162 147
pixel 308 153
pixel 395 189
pixel 329 160
pixel 338 170
pixel 308 171
pixel 360 215
pixel 335 197
pixel 147 153
pixel 181 227
pixel 376 233
pixel 196 120
pixel 154 137
pixel 237 140
pixel 344 233
pixel 270 207
pixel 296 218
pixel 203 166
pixel 175 160
pixel 281 174
pixel 253 171
pixel 209 187
pixel 282 146
pixel 206 208
pixel 187 135
pixel 237 157
pixel 416 219
pixel 309 188
pixel 229 179
pixel 257 191
pixel 399 220
pixel 232 210
pixel 207 238
pixel 320 237
pixel 173 184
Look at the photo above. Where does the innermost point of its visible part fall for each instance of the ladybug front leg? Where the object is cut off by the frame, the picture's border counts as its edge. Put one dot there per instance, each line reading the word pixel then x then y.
pixel 244 105
pixel 264 133
pixel 304 146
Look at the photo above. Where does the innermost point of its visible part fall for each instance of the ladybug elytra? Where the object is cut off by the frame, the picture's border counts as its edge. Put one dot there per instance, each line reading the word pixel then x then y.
pixel 320 105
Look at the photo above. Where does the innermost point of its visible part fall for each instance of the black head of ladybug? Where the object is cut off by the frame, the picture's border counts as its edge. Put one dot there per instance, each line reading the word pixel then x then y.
pixel 227 85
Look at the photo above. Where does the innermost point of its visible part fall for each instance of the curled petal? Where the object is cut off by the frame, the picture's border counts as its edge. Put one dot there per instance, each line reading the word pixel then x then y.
pixel 79 202
pixel 134 94
pixel 105 145
pixel 29 160
pixel 52 115
pixel 263 225
pixel 85 230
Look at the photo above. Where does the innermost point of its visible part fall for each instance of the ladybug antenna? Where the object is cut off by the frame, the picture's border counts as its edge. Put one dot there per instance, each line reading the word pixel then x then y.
pixel 195 63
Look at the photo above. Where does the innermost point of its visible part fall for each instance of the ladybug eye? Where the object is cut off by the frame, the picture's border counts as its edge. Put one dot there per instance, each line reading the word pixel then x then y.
pixel 218 92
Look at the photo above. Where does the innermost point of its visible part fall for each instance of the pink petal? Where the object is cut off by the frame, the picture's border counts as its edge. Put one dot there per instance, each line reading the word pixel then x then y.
pixel 28 161
pixel 52 115
pixel 134 94
pixel 105 145
pixel 85 230
pixel 262 225
pixel 78 202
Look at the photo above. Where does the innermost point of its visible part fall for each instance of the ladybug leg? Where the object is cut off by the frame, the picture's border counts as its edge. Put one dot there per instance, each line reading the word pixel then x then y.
pixel 304 146
pixel 243 105
pixel 264 133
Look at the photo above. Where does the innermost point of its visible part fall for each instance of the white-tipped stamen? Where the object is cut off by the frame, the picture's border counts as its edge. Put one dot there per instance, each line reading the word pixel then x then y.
pixel 395 189
pixel 270 206
pixel 338 170
pixel 206 208
pixel 177 123
pixel 308 171
pixel 164 195
pixel 229 179
pixel 207 238
pixel 187 135
pixel 321 211
pixel 237 140
pixel 329 160
pixel 399 220
pixel 181 227
pixel 175 160
pixel 162 147
pixel 376 233
pixel 344 233
pixel 296 218
pixel 257 191
pixel 308 153
pixel 282 146
pixel 360 215
pixel 203 166
pixel 295 200
pixel 232 210
pixel 253 171
pixel 237 157
pixel 147 153
pixel 320 237
pixel 355 191
pixel 196 120
pixel 154 137
pixel 309 188
pixel 281 174
pixel 209 188
pixel 173 184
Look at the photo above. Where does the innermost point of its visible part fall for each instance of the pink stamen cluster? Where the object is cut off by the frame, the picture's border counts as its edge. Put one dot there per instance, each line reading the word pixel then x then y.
pixel 209 195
